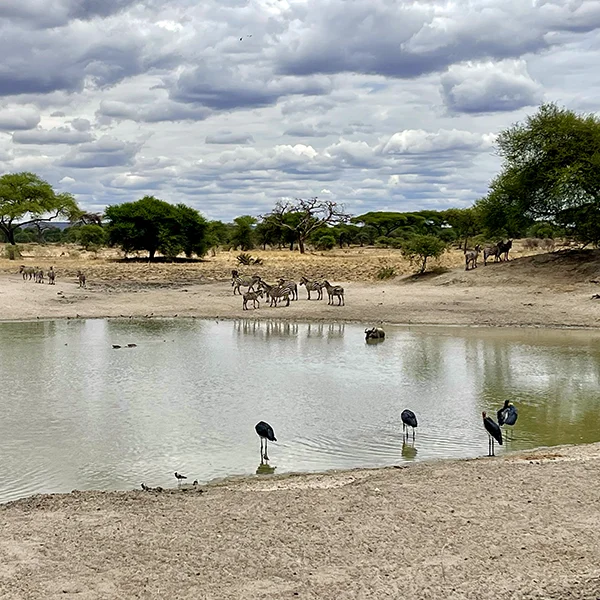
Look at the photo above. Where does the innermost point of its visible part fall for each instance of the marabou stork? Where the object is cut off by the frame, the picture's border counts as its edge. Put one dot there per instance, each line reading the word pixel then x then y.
pixel 409 419
pixel 265 432
pixel 494 433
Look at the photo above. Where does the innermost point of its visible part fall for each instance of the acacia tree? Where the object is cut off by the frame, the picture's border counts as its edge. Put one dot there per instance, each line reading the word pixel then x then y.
pixel 156 226
pixel 302 216
pixel 419 248
pixel 26 199
pixel 550 171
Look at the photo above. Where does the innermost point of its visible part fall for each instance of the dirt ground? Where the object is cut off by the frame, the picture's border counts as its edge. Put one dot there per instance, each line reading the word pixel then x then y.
pixel 545 290
pixel 521 526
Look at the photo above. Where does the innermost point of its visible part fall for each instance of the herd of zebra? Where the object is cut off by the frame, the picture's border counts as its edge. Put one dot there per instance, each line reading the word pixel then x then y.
pixel 499 251
pixel 37 275
pixel 285 289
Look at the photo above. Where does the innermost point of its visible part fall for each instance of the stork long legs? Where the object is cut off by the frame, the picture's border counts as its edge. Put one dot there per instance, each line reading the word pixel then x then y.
pixel 490 446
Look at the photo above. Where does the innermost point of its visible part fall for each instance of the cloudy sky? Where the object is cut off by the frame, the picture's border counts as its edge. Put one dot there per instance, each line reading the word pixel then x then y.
pixel 230 105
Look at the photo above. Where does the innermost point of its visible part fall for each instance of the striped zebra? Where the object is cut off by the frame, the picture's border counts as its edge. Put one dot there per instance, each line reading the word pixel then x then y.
pixel 39 276
pixel 290 285
pixel 275 293
pixel 51 276
pixel 254 296
pixel 248 281
pixel 312 286
pixel 334 291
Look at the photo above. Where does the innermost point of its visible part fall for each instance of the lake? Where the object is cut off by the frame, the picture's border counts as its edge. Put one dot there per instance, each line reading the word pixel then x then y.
pixel 79 414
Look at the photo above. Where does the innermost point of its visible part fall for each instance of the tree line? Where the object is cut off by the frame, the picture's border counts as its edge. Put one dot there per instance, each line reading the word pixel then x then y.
pixel 548 186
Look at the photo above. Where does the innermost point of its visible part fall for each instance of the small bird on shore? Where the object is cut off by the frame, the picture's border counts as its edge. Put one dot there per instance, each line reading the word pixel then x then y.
pixel 409 419
pixel 266 433
pixel 179 477
pixel 508 415
pixel 494 433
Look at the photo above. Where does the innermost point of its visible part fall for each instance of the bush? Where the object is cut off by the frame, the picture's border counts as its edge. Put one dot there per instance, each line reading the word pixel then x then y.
pixel 12 252
pixel 386 273
pixel 421 247
pixel 325 242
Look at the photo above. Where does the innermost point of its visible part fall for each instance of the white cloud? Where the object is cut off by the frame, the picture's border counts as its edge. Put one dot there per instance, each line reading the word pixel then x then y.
pixel 384 104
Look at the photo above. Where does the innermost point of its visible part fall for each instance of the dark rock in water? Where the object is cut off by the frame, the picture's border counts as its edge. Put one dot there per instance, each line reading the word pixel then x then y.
pixel 132 345
pixel 116 346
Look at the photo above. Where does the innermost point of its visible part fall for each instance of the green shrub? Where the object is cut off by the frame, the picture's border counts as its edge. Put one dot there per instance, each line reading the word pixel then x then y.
pixel 386 273
pixel 12 252
pixel 325 242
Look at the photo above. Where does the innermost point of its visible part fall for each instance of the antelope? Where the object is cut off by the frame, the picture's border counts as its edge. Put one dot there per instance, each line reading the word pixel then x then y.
pixel 490 251
pixel 28 272
pixel 471 257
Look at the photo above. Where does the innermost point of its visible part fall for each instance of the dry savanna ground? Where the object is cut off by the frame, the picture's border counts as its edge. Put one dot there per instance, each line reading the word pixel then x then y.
pixel 543 289
pixel 522 526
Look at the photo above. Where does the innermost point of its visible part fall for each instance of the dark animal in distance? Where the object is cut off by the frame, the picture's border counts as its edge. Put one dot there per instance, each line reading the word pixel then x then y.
pixel 409 419
pixel 504 249
pixel 81 278
pixel 494 433
pixel 266 433
pixel 374 333
pixel 51 276
pixel 179 477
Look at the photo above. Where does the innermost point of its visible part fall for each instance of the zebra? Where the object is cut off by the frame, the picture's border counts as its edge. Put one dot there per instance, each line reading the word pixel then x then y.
pixel 334 290
pixel 28 272
pixel 39 276
pixel 471 257
pixel 290 285
pixel 312 286
pixel 249 282
pixel 81 278
pixel 252 296
pixel 276 293
pixel 51 276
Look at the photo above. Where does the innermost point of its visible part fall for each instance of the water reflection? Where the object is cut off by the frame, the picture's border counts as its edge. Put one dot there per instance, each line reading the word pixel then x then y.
pixel 409 452
pixel 264 468
pixel 79 415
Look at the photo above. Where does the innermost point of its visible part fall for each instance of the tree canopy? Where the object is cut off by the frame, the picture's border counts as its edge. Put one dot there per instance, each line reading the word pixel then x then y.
pixel 550 171
pixel 304 216
pixel 26 199
pixel 157 226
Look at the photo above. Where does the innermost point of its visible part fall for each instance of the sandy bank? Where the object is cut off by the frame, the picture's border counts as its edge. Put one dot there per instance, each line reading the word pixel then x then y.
pixel 420 302
pixel 520 526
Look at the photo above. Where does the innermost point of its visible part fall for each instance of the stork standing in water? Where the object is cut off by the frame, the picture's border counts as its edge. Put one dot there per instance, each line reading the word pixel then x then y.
pixel 409 419
pixel 266 433
pixel 494 433
pixel 507 415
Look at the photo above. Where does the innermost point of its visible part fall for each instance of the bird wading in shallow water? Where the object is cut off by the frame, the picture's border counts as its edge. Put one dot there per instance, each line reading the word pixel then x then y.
pixel 508 415
pixel 494 433
pixel 409 419
pixel 266 433
pixel 179 477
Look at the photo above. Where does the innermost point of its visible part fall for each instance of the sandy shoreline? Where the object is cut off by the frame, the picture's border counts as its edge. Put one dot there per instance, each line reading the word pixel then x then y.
pixel 369 303
pixel 524 525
